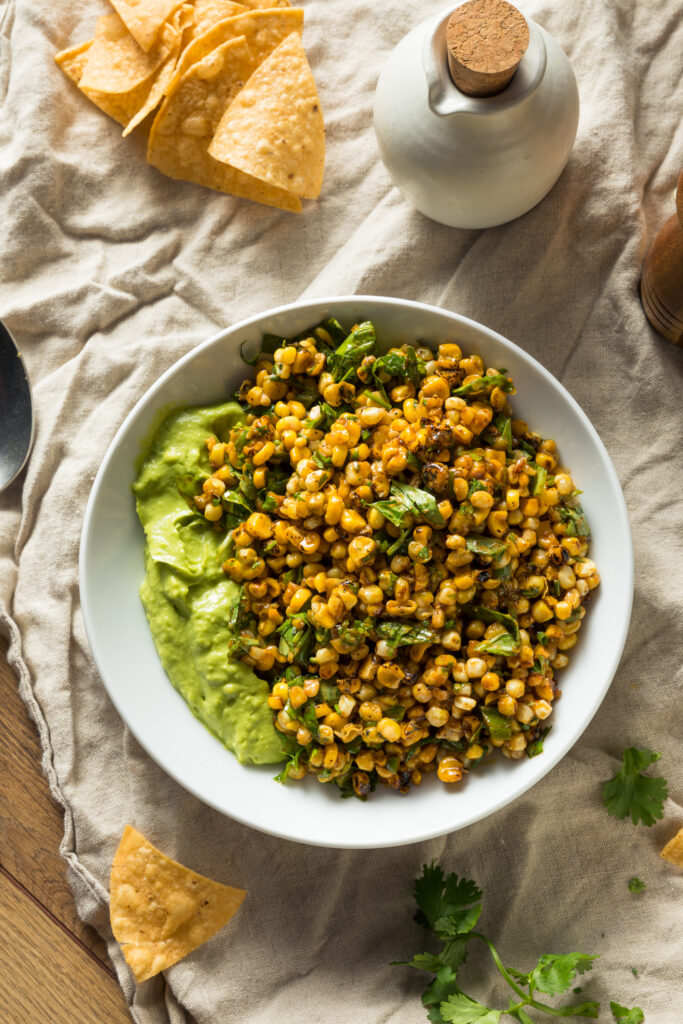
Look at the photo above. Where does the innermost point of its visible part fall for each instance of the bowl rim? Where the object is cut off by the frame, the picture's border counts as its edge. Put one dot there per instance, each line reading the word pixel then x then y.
pixel 551 759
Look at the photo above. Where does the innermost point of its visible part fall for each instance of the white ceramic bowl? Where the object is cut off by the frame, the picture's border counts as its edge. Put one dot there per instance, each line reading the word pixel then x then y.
pixel 111 569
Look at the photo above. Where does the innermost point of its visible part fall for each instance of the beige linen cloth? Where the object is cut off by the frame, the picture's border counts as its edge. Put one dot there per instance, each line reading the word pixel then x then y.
pixel 110 272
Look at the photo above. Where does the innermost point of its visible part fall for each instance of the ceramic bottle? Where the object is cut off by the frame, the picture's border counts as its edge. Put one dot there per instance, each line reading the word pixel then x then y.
pixel 474 161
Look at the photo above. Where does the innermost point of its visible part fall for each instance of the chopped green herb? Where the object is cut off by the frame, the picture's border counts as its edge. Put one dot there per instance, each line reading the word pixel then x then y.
pixel 489 547
pixel 632 793
pixel 504 645
pixel 637 885
pixel 450 907
pixel 498 725
pixel 495 380
pixel 623 1015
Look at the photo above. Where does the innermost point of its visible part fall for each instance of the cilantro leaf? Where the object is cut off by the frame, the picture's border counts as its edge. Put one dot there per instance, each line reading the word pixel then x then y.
pixel 449 906
pixel 445 984
pixel 460 1009
pixel 623 1015
pixel 405 365
pixel 295 642
pixel 503 645
pixel 539 481
pixel 345 360
pixel 421 962
pixel 637 885
pixel 401 634
pixel 406 500
pixel 575 519
pixel 488 615
pixel 498 725
pixel 632 793
pixel 499 380
pixel 487 546
pixel 555 974
pixel 535 748
pixel 292 764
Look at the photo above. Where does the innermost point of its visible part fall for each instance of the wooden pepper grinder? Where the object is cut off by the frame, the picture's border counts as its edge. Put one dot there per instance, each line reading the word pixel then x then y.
pixel 661 284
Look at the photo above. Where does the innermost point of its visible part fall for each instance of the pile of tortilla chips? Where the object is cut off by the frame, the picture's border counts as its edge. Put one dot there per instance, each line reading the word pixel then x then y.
pixel 160 910
pixel 238 109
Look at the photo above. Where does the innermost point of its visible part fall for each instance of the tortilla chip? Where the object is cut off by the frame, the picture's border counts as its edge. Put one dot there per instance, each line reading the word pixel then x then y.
pixel 144 18
pixel 156 94
pixel 263 30
pixel 73 61
pixel 183 128
pixel 115 62
pixel 274 128
pixel 673 851
pixel 208 13
pixel 121 106
pixel 160 910
pixel 256 4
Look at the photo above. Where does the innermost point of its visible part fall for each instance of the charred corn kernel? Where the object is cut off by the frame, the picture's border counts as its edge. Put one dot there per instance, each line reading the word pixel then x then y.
pixel 507 706
pixel 259 525
pixel 333 512
pixel 352 521
pixel 213 513
pixel 214 487
pixel 541 708
pixel 541 612
pixel 263 454
pixel 515 688
pixel 566 577
pixel 524 714
pixel 437 717
pixel 564 484
pixel 311 687
pixel 474 752
pixel 325 735
pixel 449 770
pixel 330 756
pixel 475 668
pixel 563 610
pixel 370 711
pixel 482 499
pixel 275 703
pixel 297 697
pixel 389 729
pixel 490 681
pixel 217 454
pixel 300 598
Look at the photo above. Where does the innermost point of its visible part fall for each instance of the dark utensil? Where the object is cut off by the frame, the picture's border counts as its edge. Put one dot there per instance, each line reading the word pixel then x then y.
pixel 16 410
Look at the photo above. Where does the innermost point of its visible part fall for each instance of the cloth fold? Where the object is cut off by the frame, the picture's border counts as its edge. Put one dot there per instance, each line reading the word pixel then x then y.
pixel 110 272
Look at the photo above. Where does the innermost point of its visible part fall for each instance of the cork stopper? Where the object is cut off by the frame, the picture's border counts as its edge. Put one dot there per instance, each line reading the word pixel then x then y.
pixel 485 40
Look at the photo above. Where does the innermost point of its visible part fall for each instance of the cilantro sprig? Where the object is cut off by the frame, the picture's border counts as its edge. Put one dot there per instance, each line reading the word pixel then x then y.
pixel 631 793
pixel 450 907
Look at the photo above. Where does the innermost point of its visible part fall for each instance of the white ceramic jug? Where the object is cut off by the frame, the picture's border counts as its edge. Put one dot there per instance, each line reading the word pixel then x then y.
pixel 474 162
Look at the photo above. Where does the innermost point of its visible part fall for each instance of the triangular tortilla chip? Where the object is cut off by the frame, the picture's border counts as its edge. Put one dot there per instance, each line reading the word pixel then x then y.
pixel 208 13
pixel 256 4
pixel 121 106
pixel 159 88
pixel 115 62
pixel 144 18
pixel 274 128
pixel 263 30
pixel 673 850
pixel 183 128
pixel 160 910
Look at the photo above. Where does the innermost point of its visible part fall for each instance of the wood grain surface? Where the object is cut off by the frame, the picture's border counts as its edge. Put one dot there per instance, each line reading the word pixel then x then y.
pixel 53 968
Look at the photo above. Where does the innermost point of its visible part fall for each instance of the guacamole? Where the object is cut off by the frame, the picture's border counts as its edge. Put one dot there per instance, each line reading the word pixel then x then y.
pixel 187 597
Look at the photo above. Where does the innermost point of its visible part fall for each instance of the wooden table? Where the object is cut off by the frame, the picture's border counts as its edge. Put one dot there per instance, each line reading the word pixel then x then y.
pixel 53 968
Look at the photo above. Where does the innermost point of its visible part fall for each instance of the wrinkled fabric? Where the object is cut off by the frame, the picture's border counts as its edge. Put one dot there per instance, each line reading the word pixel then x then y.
pixel 110 272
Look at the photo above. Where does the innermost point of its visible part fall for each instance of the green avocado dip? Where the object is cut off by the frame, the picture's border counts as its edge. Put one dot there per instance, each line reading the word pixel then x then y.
pixel 187 597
